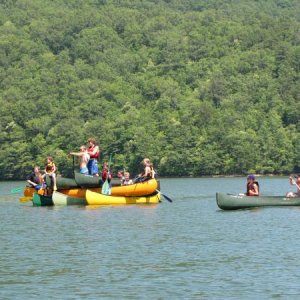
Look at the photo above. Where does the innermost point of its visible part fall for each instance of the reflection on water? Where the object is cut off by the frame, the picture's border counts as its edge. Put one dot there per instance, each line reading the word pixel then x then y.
pixel 188 249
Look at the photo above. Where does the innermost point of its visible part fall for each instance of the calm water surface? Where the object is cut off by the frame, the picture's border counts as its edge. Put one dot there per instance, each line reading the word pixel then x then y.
pixel 188 249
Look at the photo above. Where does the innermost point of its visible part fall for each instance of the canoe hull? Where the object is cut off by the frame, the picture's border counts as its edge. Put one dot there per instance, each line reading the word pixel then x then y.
pixel 78 192
pixel 62 182
pixel 40 200
pixel 138 189
pixel 87 181
pixel 62 199
pixel 93 198
pixel 231 202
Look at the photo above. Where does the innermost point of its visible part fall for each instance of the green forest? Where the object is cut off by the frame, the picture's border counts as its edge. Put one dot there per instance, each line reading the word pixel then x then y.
pixel 201 87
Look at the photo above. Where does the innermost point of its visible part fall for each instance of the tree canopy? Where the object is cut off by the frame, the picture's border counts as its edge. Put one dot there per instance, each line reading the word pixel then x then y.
pixel 200 87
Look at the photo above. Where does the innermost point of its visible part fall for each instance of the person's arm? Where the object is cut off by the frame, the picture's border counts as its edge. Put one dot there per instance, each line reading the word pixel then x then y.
pixel 76 153
pixel 31 182
pixel 255 192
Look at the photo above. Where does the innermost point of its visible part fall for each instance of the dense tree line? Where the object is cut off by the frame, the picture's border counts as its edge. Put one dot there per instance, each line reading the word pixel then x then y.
pixel 200 87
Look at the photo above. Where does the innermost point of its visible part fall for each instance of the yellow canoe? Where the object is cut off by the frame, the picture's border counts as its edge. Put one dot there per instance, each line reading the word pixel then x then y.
pixel 137 189
pixel 80 193
pixel 94 198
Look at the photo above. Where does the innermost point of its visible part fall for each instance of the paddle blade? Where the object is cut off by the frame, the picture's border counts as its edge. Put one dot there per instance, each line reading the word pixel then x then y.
pixel 16 190
pixel 167 198
pixel 25 199
pixel 106 190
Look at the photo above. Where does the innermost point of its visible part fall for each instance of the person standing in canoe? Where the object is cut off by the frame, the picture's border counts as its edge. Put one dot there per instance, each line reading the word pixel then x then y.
pixel 252 186
pixel 83 159
pixel 297 184
pixel 94 152
pixel 35 179
pixel 50 170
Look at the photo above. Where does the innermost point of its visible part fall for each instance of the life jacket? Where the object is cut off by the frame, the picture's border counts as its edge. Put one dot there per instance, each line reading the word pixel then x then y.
pixel 152 173
pixel 106 175
pixel 93 156
pixel 49 167
pixel 250 187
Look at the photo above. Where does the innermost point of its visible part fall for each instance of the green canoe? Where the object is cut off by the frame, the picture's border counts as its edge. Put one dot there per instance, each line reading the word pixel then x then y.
pixel 89 181
pixel 62 182
pixel 39 200
pixel 230 202
pixel 79 181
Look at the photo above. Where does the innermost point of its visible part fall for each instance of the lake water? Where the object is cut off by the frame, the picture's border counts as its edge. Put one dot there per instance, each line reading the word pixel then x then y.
pixel 188 249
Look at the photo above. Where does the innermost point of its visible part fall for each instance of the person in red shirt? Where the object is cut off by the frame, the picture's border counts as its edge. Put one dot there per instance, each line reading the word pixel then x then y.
pixel 94 153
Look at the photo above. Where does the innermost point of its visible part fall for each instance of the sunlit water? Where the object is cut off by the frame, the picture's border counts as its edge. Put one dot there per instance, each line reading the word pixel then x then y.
pixel 188 249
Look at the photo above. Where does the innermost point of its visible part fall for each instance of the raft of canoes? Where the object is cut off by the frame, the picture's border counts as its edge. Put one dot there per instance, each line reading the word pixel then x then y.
pixel 89 193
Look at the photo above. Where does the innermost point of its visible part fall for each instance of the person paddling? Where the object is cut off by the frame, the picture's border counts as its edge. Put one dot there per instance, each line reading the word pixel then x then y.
pixel 297 184
pixel 252 186
pixel 50 170
pixel 35 179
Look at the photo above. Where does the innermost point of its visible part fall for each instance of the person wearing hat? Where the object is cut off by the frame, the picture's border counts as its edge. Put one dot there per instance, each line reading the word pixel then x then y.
pixel 252 186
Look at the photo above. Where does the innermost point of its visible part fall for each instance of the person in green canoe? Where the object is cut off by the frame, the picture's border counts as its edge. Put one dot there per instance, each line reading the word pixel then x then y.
pixel 252 186
pixel 51 170
pixel 35 179
pixel 296 182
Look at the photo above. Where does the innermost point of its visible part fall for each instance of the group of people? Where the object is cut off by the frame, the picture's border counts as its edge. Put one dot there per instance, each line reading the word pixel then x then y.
pixel 88 165
pixel 88 158
pixel 37 180
pixel 253 186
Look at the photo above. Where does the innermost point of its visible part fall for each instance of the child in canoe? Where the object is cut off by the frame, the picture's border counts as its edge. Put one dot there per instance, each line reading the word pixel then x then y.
pixel 50 170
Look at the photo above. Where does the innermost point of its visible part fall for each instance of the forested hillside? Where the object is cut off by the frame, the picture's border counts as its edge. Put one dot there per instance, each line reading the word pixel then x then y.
pixel 201 87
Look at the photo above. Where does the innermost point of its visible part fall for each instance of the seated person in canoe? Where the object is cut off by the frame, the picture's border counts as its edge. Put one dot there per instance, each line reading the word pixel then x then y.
pixel 126 179
pixel 252 186
pixel 297 184
pixel 148 172
pixel 35 179
pixel 50 170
